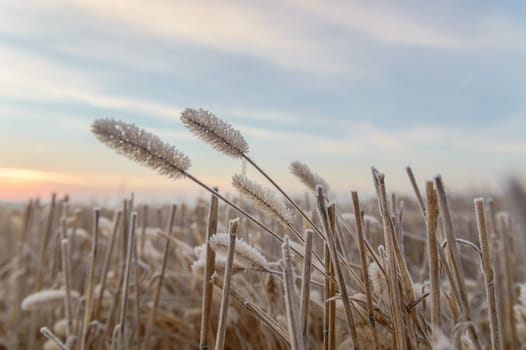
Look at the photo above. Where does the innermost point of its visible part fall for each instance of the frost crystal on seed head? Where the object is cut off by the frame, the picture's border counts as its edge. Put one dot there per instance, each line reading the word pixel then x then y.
pixel 215 131
pixel 141 146
pixel 307 177
pixel 263 199
pixel 244 254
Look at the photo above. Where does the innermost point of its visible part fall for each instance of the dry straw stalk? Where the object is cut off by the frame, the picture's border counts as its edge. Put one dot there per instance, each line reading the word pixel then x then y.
pixel 223 311
pixel 489 280
pixel 208 271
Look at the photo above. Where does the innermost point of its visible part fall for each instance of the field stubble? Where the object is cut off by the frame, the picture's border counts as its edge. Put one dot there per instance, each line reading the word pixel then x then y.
pixel 262 270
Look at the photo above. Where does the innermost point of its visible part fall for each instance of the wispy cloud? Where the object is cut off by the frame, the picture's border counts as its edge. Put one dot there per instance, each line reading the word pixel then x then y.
pixel 354 138
pixel 227 26
pixel 493 146
pixel 382 23
pixel 32 78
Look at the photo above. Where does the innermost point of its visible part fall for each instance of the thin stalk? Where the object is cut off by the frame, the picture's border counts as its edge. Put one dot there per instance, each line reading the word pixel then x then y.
pixel 17 293
pixel 324 218
pixel 66 280
pixel 406 284
pixel 48 334
pixel 371 251
pixel 44 243
pixel 144 224
pixel 255 310
pixel 223 311
pixel 456 265
pixel 494 326
pixel 125 228
pixel 418 195
pixel 91 279
pixel 331 300
pixel 137 304
pixel 280 190
pixel 327 296
pixel 126 284
pixel 291 301
pixel 422 207
pixel 295 205
pixel 434 268
pixel 107 260
pixel 209 270
pixel 245 214
pixel 365 264
pixel 508 281
pixel 159 282
pixel 305 287
pixel 392 280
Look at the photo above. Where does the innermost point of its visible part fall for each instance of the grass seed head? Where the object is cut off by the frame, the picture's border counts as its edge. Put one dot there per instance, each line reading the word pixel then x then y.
pixel 264 199
pixel 215 131
pixel 141 146
pixel 307 177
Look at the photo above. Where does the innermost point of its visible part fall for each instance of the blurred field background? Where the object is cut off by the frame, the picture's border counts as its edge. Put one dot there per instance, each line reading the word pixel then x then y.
pixel 339 85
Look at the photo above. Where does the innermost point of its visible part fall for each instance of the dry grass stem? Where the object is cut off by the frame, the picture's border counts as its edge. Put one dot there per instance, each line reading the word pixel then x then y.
pixel 392 273
pixel 66 277
pixel 414 185
pixel 454 259
pixel 496 340
pixel 291 300
pixel 48 334
pixel 126 283
pixel 364 264
pixel 255 311
pixel 305 287
pixel 157 295
pixel 432 246
pixel 107 261
pixel 207 274
pixel 508 278
pixel 324 218
pixel 91 280
pixel 227 279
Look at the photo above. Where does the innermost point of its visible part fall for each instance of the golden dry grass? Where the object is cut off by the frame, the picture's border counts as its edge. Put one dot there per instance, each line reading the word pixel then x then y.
pixel 438 271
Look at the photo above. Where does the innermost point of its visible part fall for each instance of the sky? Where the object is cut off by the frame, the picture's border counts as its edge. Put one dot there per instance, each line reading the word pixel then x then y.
pixel 339 85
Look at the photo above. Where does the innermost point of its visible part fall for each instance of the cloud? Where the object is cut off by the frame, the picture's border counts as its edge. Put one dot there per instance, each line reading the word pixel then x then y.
pixel 381 23
pixel 233 27
pixel 31 78
pixel 28 77
pixel 436 26
pixel 354 138
pixel 365 138
pixel 293 41
pixel 494 146
pixel 312 37
pixel 268 116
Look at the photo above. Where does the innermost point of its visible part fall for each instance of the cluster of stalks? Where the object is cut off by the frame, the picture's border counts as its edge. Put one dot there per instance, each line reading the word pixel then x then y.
pixel 262 270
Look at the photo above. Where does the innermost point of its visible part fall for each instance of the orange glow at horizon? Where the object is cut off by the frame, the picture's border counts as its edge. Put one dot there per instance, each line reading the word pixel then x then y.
pixel 22 184
pixel 17 175
pixel 18 184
